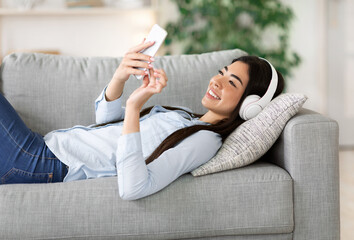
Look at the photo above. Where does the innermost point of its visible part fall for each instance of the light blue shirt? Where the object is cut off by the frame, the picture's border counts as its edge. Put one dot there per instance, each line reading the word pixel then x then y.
pixel 93 152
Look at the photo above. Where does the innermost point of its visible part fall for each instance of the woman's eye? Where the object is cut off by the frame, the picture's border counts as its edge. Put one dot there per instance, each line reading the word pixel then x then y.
pixel 220 72
pixel 232 83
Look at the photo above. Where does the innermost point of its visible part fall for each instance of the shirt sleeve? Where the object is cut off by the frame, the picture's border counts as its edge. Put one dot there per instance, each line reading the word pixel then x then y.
pixel 137 180
pixel 108 111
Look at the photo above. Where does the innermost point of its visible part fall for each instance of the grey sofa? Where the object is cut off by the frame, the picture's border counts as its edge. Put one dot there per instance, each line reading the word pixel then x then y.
pixel 290 193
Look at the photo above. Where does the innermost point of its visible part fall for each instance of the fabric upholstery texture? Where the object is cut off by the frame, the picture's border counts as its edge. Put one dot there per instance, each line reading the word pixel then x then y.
pixel 308 150
pixel 190 207
pixel 254 137
pixel 61 80
pixel 292 192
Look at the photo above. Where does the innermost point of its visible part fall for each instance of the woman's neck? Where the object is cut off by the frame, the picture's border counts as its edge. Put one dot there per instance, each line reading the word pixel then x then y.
pixel 211 117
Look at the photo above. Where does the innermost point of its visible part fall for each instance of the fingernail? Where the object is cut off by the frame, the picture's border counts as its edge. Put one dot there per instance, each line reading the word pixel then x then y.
pixel 152 59
pixel 150 65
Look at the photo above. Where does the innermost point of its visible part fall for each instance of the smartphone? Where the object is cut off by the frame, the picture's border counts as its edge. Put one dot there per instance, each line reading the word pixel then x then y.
pixel 157 34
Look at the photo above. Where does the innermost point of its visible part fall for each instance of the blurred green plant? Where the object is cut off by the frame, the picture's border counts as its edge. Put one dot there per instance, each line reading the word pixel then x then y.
pixel 259 27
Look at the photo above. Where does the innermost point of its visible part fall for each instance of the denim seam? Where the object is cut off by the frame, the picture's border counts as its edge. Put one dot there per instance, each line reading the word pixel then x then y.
pixel 38 156
pixel 3 178
pixel 35 175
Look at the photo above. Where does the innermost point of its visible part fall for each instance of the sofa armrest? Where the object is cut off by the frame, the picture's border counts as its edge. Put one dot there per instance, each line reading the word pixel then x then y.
pixel 308 150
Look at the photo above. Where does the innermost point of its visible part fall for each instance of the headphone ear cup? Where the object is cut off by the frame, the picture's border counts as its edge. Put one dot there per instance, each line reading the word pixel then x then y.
pixel 248 109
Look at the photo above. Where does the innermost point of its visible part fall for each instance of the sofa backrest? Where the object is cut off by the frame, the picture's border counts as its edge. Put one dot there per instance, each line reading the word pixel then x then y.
pixel 53 91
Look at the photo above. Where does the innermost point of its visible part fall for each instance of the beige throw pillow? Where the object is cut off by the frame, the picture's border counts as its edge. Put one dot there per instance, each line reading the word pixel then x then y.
pixel 254 138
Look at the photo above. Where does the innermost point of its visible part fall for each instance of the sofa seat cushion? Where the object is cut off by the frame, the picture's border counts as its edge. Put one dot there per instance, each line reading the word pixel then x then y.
pixel 256 199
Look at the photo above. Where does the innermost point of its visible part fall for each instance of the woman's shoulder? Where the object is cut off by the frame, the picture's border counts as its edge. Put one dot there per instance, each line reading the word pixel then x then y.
pixel 203 144
pixel 206 137
pixel 210 133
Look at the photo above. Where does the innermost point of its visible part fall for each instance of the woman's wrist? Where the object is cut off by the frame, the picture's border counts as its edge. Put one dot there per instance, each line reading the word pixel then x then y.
pixel 114 89
pixel 131 120
pixel 120 79
pixel 132 106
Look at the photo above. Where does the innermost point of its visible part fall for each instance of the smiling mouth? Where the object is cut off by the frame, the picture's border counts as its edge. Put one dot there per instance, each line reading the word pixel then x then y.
pixel 211 94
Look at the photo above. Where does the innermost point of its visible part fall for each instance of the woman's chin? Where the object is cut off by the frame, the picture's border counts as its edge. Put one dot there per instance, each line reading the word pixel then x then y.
pixel 206 103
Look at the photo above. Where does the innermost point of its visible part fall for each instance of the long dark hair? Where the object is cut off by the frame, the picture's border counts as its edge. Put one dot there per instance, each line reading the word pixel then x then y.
pixel 259 73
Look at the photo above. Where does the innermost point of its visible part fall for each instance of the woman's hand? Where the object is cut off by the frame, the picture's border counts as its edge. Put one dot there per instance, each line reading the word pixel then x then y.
pixel 150 86
pixel 138 98
pixel 132 60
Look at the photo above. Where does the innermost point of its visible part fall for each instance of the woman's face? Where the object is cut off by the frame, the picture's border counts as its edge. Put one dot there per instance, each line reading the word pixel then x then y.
pixel 226 89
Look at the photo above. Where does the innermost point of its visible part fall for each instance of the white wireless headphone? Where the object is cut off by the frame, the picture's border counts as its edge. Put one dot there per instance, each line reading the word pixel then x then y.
pixel 254 104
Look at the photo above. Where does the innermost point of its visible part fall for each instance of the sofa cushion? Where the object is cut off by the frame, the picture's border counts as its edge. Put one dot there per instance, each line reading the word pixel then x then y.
pixel 245 201
pixel 254 138
pixel 69 85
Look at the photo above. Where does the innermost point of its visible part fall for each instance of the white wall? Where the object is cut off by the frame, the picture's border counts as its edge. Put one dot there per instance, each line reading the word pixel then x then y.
pixel 112 35
pixel 308 38
pixel 77 35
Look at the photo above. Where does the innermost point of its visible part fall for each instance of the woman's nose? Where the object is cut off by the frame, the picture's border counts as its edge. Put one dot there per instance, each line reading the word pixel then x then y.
pixel 217 82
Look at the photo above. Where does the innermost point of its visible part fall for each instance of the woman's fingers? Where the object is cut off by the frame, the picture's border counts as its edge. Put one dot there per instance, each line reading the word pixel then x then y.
pixel 161 72
pixel 134 63
pixel 145 81
pixel 137 71
pixel 141 46
pixel 162 79
pixel 152 82
pixel 138 56
pixel 134 59
pixel 161 75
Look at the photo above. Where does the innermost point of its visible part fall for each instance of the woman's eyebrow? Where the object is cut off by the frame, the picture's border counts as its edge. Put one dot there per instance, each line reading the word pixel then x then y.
pixel 233 75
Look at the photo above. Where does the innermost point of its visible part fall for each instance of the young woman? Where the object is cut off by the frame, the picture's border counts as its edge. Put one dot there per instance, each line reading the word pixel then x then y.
pixel 148 149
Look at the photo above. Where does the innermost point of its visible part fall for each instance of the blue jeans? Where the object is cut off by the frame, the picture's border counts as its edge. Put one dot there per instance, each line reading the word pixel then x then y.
pixel 24 156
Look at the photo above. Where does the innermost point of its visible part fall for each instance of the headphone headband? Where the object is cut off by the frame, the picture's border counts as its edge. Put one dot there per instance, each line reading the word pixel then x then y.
pixel 254 104
pixel 267 97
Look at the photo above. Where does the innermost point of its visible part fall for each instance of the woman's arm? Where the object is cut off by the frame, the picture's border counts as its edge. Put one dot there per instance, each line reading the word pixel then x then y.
pixel 137 180
pixel 130 143
pixel 108 105
pixel 114 90
pixel 108 111
pixel 131 120
pixel 151 85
